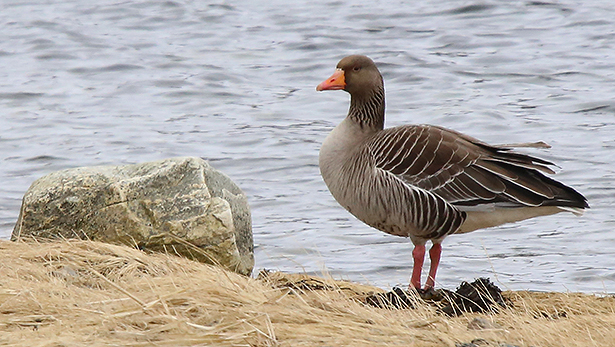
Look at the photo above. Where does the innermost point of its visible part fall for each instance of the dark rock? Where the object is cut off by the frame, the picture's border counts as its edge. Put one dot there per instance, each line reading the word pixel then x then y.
pixel 479 296
pixel 395 299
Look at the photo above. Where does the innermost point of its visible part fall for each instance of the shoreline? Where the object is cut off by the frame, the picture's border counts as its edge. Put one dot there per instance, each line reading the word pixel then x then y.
pixel 74 293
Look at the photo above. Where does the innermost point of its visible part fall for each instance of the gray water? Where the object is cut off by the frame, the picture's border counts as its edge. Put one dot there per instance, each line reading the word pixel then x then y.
pixel 121 82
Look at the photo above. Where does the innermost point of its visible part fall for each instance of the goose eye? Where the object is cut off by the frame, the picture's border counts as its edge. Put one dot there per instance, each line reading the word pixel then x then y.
pixel 356 68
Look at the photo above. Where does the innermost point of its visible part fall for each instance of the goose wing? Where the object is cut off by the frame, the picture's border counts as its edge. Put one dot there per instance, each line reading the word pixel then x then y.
pixel 467 172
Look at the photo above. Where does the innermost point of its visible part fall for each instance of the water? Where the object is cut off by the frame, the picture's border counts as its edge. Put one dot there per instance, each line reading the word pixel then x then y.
pixel 121 82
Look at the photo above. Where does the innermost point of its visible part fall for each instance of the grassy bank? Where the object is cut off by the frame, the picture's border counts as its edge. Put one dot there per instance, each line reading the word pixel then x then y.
pixel 82 293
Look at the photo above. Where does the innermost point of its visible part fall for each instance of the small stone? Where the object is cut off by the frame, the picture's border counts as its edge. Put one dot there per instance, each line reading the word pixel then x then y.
pixel 65 272
pixel 479 323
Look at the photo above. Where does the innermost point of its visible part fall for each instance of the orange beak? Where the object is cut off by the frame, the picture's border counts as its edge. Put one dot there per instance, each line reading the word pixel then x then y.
pixel 335 82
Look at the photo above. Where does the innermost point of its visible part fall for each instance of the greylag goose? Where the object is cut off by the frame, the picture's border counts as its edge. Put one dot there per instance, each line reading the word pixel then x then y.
pixel 426 182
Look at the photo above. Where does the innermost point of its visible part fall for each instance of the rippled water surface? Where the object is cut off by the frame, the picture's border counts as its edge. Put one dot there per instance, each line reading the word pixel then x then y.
pixel 120 82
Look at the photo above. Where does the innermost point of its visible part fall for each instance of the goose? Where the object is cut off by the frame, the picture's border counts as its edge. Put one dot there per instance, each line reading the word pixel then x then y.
pixel 426 182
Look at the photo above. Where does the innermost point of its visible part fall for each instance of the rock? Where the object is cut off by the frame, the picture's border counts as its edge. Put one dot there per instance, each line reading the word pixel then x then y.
pixel 177 205
pixel 479 323
pixel 395 299
pixel 479 296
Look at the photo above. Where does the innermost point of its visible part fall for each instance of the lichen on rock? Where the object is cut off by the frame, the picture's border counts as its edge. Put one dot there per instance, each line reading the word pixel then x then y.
pixel 177 205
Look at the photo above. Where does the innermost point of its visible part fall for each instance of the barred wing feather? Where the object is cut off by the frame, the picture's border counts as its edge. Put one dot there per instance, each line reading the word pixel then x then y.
pixel 465 171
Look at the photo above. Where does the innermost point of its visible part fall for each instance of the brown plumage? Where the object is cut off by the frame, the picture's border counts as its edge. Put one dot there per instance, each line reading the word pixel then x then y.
pixel 426 182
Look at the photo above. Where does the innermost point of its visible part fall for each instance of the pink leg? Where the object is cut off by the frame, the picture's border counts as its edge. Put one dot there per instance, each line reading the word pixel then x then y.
pixel 434 255
pixel 419 256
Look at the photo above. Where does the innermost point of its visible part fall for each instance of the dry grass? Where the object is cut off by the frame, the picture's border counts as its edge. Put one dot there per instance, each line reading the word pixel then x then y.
pixel 78 293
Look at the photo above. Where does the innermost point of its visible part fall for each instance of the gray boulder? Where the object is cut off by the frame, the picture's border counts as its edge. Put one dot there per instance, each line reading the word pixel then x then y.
pixel 178 205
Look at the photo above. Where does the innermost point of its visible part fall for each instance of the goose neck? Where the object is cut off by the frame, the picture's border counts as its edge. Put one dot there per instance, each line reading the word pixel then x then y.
pixel 368 110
